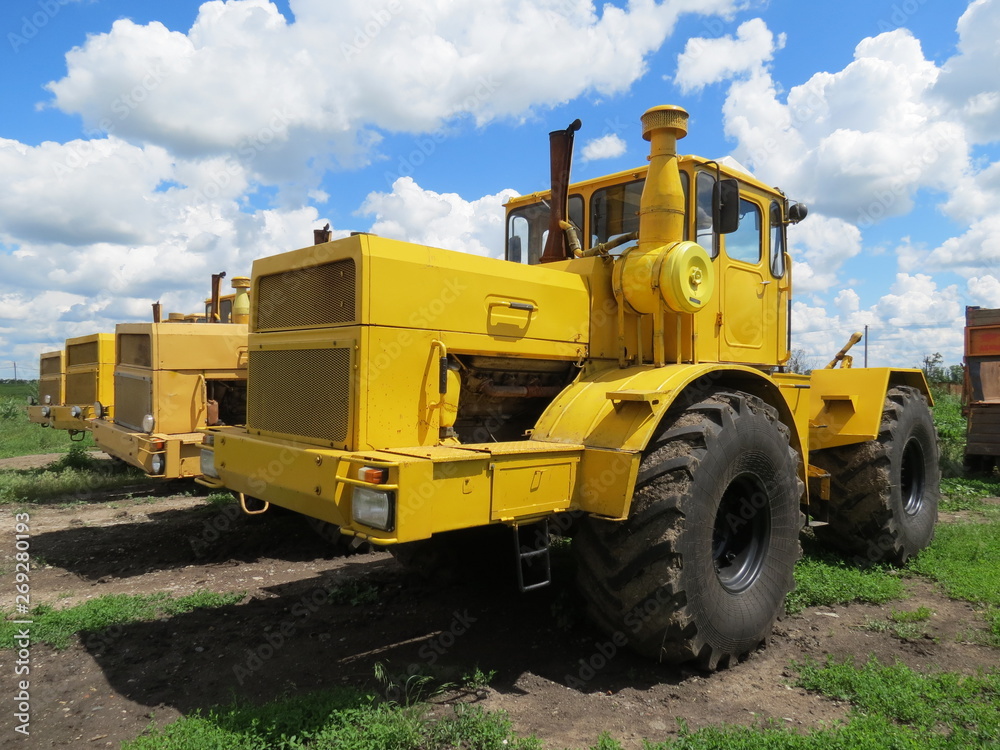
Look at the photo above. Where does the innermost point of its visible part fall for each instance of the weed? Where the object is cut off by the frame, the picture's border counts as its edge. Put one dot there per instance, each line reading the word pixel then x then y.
pixel 408 689
pixel 57 626
pixel 823 579
pixel 965 559
pixel 335 719
pixel 354 592
pixel 477 679
pixel 77 474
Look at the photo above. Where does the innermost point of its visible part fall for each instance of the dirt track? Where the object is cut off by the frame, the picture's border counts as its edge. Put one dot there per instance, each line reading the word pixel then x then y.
pixel 555 675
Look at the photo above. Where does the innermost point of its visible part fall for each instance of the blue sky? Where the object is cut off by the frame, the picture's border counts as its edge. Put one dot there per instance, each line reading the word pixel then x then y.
pixel 144 146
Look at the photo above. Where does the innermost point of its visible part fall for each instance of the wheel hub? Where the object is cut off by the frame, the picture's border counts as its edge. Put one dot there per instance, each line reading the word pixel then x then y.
pixel 912 477
pixel 741 533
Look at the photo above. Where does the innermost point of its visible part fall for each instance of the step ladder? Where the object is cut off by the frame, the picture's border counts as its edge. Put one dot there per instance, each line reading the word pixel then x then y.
pixel 532 551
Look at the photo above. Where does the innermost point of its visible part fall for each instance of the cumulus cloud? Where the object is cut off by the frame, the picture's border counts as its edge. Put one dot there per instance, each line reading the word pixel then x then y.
pixel 330 80
pixel 445 220
pixel 707 61
pixel 606 147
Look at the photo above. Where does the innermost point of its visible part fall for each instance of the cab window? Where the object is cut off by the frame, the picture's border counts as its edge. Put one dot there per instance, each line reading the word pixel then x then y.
pixel 528 229
pixel 614 211
pixel 744 244
pixel 703 234
pixel 777 241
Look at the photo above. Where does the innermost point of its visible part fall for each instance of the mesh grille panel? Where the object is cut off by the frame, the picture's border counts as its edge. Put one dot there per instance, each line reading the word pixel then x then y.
pixel 81 387
pixel 133 400
pixel 135 349
pixel 307 297
pixel 49 365
pixel 304 392
pixel 51 387
pixel 82 354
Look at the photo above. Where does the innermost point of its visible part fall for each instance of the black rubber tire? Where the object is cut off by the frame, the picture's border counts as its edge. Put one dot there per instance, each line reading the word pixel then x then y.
pixel 885 492
pixel 701 567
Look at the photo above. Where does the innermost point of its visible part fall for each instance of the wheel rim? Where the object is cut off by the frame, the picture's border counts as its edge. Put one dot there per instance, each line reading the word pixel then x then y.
pixel 912 477
pixel 741 533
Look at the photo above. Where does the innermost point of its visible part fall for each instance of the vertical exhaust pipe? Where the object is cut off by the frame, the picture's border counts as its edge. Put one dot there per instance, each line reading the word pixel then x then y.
pixel 216 314
pixel 322 235
pixel 157 312
pixel 560 161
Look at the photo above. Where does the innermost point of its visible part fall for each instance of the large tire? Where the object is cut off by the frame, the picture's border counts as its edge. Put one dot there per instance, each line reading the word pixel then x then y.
pixel 884 493
pixel 700 569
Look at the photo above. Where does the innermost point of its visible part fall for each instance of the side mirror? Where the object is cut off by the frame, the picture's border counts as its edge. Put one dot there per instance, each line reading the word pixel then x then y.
pixel 726 206
pixel 797 212
pixel 514 249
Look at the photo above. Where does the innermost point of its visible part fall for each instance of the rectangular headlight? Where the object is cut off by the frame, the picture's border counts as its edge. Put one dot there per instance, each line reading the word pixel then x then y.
pixel 372 508
pixel 208 463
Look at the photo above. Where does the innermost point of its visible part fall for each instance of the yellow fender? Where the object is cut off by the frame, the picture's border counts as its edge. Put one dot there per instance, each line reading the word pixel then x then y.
pixel 846 405
pixel 615 412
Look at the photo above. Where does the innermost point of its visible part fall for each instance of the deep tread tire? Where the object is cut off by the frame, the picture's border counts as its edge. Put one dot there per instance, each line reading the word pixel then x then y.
pixel 885 492
pixel 680 580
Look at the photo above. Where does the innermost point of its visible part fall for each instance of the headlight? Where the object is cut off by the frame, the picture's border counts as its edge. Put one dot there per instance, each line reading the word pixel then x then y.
pixel 372 507
pixel 208 463
pixel 148 423
pixel 98 410
pixel 76 412
pixel 46 411
pixel 158 463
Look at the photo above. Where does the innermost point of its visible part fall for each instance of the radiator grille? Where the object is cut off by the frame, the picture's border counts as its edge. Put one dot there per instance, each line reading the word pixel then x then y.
pixel 135 349
pixel 81 387
pixel 304 392
pixel 133 400
pixel 82 354
pixel 307 297
pixel 51 387
pixel 49 365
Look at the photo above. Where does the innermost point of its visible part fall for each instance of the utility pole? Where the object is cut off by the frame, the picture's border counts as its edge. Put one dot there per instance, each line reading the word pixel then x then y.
pixel 15 372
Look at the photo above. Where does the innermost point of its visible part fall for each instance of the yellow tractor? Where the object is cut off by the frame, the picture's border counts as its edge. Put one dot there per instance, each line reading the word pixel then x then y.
pixel 86 368
pixel 173 378
pixel 621 375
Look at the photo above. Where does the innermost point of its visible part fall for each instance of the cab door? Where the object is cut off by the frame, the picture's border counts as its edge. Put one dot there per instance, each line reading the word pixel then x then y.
pixel 748 321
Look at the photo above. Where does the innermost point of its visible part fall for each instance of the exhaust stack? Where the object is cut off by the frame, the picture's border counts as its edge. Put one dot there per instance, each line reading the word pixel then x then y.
pixel 560 161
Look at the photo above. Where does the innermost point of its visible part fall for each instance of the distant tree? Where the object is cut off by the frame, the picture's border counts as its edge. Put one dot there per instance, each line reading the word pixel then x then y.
pixel 932 367
pixel 956 374
pixel 797 363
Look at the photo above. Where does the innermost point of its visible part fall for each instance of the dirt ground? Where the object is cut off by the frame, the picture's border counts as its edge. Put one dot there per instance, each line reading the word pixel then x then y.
pixel 555 675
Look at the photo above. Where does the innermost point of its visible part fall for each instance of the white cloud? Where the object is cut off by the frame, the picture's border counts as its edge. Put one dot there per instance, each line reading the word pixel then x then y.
pixel 707 61
pixel 914 319
pixel 323 85
pixel 606 147
pixel 439 219
pixel 963 82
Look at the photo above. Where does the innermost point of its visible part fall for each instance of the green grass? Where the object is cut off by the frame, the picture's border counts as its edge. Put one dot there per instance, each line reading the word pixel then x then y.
pixel 76 474
pixel 892 708
pixel 57 626
pixel 950 426
pixel 823 579
pixel 339 719
pixel 19 437
pixel 965 559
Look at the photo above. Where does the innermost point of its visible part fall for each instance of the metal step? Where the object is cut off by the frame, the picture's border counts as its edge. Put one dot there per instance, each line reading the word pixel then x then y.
pixel 533 562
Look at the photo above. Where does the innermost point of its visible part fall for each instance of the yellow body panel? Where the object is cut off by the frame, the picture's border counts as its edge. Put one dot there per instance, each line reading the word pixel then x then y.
pixel 181 452
pixel 163 371
pixel 88 375
pixel 846 404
